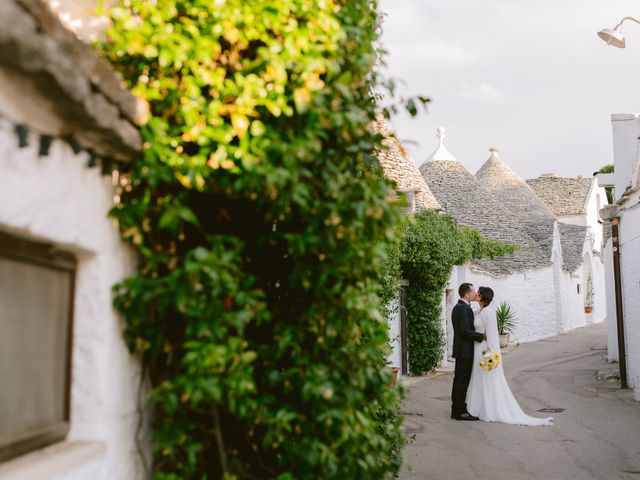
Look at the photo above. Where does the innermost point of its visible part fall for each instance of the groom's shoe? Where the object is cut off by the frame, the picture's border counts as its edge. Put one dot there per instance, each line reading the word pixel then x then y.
pixel 465 416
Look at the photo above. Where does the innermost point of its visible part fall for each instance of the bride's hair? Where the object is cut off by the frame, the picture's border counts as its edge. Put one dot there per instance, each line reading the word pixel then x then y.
pixel 486 296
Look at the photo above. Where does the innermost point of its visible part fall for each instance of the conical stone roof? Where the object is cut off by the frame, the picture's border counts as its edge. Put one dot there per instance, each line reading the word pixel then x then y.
pixel 572 238
pixel 526 209
pixel 512 191
pixel 399 167
pixel 461 195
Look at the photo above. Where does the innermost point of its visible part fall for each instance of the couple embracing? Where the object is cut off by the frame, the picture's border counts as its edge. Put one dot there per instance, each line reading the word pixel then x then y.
pixel 481 392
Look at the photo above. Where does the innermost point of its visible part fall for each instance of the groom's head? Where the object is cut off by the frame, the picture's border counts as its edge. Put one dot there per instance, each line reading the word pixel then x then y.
pixel 467 292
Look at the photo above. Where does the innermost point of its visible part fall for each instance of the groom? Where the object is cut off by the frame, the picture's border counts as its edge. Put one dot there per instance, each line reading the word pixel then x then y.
pixel 464 334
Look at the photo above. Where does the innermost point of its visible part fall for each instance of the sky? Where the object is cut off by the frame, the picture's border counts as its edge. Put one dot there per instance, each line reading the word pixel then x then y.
pixel 530 78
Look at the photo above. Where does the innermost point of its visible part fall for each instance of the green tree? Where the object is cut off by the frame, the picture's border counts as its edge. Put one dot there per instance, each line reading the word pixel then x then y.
pixel 431 245
pixel 261 225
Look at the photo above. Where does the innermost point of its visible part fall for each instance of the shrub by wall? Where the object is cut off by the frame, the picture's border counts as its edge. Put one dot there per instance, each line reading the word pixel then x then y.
pixel 261 228
pixel 431 245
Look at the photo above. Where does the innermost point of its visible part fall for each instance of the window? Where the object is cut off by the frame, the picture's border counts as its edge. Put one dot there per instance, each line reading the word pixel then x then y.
pixel 36 311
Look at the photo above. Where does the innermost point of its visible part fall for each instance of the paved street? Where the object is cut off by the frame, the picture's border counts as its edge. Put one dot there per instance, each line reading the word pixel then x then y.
pixel 597 436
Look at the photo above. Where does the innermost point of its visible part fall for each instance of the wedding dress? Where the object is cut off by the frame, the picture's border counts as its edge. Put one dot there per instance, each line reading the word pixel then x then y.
pixel 489 396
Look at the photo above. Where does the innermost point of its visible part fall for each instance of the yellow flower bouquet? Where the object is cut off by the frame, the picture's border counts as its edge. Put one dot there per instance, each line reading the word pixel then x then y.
pixel 489 360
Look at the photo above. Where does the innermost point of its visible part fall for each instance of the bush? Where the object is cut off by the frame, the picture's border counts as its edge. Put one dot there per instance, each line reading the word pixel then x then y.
pixel 431 245
pixel 262 227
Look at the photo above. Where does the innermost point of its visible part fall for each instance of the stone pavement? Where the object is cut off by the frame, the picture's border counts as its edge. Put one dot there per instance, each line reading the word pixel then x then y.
pixel 597 428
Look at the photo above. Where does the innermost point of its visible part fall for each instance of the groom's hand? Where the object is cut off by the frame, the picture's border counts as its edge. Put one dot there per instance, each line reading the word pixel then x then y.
pixel 485 337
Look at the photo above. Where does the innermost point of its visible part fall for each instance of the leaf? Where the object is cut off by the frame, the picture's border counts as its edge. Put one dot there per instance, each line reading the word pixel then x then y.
pixel 301 98
pixel 240 124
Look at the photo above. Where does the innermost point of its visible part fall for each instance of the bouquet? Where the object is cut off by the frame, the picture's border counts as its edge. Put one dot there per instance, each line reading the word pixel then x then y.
pixel 489 360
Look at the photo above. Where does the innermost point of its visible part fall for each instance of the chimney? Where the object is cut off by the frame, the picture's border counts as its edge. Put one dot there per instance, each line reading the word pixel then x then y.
pixel 626 129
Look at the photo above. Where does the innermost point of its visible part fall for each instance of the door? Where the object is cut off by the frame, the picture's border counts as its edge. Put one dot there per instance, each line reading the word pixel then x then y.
pixel 404 353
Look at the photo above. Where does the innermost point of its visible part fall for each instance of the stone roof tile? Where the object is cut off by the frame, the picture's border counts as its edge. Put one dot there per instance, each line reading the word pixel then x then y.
pixel 78 85
pixel 462 196
pixel 526 209
pixel 399 167
pixel 564 196
pixel 572 238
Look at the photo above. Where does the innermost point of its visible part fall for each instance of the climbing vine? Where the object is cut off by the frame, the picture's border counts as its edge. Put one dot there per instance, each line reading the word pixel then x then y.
pixel 261 227
pixel 431 245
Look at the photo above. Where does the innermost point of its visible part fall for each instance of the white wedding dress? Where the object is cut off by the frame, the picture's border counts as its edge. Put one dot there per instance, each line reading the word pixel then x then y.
pixel 489 396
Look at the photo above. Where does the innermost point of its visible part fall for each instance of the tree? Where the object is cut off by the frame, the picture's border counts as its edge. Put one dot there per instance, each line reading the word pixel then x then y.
pixel 261 224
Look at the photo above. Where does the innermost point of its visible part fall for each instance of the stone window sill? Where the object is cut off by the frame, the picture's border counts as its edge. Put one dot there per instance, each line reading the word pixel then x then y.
pixel 54 460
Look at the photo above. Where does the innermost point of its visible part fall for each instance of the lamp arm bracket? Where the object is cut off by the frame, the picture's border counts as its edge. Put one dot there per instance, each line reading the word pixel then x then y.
pixel 627 18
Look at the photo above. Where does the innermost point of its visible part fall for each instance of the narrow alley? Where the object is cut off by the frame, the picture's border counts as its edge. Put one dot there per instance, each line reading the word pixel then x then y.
pixel 596 435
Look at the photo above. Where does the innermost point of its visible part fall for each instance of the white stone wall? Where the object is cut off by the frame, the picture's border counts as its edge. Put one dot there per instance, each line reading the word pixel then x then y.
pixel 544 306
pixel 597 200
pixel 599 289
pixel 612 327
pixel 572 299
pixel 630 273
pixel 395 356
pixel 626 129
pixel 58 199
pixel 530 295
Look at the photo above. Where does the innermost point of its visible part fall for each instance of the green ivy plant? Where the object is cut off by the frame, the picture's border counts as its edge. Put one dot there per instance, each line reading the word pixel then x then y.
pixel 431 245
pixel 262 226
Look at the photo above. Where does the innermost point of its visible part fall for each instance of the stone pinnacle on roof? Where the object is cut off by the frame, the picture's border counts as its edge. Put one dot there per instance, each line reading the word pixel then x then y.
pixel 441 153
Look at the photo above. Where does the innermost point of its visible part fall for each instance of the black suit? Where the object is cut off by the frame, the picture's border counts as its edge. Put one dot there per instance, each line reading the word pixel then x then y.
pixel 464 334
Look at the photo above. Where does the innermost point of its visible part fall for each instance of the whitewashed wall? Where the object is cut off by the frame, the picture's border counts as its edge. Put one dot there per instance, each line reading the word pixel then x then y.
pixel 599 289
pixel 630 273
pixel 58 199
pixel 612 328
pixel 597 200
pixel 626 130
pixel 544 305
pixel 573 300
pixel 395 356
pixel 530 295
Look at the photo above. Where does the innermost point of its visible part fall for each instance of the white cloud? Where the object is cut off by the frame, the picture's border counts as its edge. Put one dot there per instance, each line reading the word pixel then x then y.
pixel 482 92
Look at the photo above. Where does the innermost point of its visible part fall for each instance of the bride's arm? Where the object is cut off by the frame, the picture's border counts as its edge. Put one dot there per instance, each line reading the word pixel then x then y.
pixel 491 329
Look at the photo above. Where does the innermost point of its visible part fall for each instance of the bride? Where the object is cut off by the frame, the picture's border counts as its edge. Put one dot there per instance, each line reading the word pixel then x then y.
pixel 489 396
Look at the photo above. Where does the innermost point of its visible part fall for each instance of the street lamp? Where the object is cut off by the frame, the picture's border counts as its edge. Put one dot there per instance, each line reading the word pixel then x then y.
pixel 614 37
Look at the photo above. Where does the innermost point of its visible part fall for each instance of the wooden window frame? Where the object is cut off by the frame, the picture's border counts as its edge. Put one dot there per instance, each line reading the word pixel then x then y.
pixel 48 256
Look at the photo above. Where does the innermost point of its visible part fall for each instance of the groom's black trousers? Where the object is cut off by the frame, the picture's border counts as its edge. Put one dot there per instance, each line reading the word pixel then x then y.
pixel 461 379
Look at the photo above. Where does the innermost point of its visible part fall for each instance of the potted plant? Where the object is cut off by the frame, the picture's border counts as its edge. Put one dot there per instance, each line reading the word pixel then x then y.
pixel 393 379
pixel 505 318
pixel 394 376
pixel 588 295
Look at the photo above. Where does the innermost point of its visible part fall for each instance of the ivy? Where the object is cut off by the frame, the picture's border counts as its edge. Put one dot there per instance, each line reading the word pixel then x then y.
pixel 431 245
pixel 262 231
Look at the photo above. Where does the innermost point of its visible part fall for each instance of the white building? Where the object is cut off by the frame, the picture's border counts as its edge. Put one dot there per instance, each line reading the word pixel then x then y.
pixel 624 215
pixel 545 282
pixel 68 386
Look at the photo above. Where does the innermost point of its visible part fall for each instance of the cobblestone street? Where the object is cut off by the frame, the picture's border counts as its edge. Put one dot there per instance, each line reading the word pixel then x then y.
pixel 597 425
